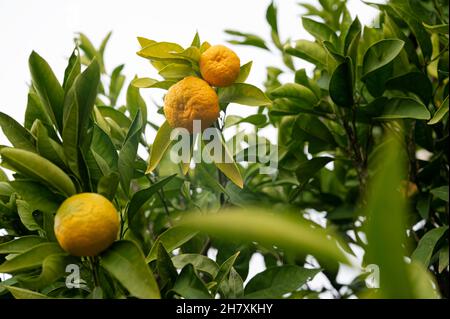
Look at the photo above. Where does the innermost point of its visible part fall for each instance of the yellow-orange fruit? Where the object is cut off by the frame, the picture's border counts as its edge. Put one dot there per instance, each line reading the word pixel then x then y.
pixel 219 66
pixel 188 100
pixel 86 224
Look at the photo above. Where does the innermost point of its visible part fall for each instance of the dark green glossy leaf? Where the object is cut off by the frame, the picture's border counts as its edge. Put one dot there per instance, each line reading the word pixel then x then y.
pixel 142 196
pixel 31 258
pixel 48 88
pixel 319 30
pixel 189 285
pixel 309 51
pixel 380 54
pixel 200 263
pixel 127 154
pixel 341 84
pixel 20 245
pixel 415 82
pixel 441 193
pixel 19 136
pixel 125 261
pixel 399 108
pixel 172 238
pixel 78 107
pixel 276 281
pixel 427 244
pixel 307 170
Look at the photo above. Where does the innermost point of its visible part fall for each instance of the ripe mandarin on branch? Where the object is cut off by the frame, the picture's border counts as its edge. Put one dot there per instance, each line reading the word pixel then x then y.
pixel 188 100
pixel 86 224
pixel 219 66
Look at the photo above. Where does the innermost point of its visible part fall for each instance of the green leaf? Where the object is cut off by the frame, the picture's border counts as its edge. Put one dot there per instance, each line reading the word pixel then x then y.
pixel 48 88
pixel 189 286
pixel 427 244
pixel 224 270
pixel 196 41
pixel 386 203
pixel 53 268
pixel 309 51
pixel 255 119
pixel 87 46
pixel 243 93
pixel 171 239
pixel 78 107
pixel 438 28
pixel 341 84
pixel 136 103
pixel 31 258
pixel 35 110
pixel 295 91
pixel 73 69
pixel 381 54
pixel 244 72
pixel 228 166
pixel 20 245
pixel 415 82
pixel 200 263
pixel 143 83
pixel 271 17
pixel 403 11
pixel 5 188
pixel 315 129
pixel 440 113
pixel 125 261
pixel 192 54
pixel 127 154
pixel 257 224
pixel 161 51
pixel 21 293
pixel 37 196
pixel 166 270
pixel 334 53
pixel 103 151
pixel 176 72
pixel 47 147
pixel 116 84
pixel 319 30
pixel 306 170
pixel 302 78
pixel 121 119
pixel 234 287
pixel 107 185
pixel 144 195
pixel 247 39
pixel 400 108
pixel 159 147
pixel 354 32
pixel 443 258
pixel 37 167
pixel 26 215
pixel 19 136
pixel 274 282
pixel 105 41
pixel 441 193
pixel 143 42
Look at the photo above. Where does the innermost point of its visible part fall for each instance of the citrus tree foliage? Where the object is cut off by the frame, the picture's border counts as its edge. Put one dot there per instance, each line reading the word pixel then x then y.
pixel 362 163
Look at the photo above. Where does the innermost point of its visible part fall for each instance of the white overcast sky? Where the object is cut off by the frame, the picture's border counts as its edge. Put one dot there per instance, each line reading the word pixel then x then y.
pixel 49 26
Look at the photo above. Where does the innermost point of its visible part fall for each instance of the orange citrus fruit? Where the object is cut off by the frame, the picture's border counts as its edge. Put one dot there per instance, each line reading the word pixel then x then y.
pixel 188 100
pixel 219 66
pixel 86 224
